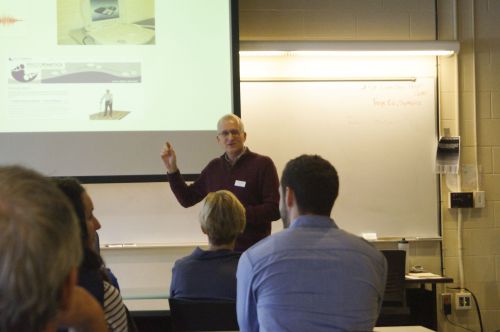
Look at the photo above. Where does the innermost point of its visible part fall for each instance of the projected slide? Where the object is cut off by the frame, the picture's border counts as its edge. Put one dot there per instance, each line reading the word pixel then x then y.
pixel 104 10
pixel 106 22
pixel 64 95
pixel 111 66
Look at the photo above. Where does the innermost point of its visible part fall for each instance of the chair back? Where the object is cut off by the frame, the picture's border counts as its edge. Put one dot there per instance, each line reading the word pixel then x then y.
pixel 394 311
pixel 394 294
pixel 203 315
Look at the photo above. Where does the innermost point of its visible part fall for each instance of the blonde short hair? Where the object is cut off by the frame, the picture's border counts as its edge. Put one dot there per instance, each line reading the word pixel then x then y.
pixel 222 217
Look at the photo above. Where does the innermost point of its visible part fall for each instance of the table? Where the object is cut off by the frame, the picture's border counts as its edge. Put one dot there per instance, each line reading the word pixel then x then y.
pixel 149 307
pixel 144 293
pixel 401 329
pixel 422 302
pixel 149 304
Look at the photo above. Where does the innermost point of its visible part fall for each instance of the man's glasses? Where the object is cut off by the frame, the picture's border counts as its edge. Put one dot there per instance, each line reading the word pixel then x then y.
pixel 233 132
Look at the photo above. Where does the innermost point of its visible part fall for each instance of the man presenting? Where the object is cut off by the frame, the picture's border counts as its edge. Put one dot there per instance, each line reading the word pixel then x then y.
pixel 248 175
pixel 312 276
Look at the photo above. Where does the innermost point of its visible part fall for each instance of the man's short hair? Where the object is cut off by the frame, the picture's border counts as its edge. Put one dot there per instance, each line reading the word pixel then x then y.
pixel 39 246
pixel 314 181
pixel 222 217
pixel 229 117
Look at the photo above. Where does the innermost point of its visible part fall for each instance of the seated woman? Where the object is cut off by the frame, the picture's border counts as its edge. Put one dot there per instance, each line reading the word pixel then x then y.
pixel 211 274
pixel 92 274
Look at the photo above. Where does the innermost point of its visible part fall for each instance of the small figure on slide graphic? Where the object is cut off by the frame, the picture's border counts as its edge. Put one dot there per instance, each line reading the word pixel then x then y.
pixel 108 103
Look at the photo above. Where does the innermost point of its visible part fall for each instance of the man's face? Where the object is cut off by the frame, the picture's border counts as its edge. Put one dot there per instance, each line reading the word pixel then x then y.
pixel 231 138
pixel 92 223
pixel 285 217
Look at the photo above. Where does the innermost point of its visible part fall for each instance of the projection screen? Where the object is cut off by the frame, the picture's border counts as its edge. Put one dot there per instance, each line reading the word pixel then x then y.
pixel 93 88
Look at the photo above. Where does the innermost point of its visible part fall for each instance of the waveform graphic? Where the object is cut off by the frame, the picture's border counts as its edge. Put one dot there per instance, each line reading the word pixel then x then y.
pixel 8 20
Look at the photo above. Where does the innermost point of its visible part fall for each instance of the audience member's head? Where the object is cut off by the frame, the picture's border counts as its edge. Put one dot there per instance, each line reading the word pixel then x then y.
pixel 222 218
pixel 93 276
pixel 39 250
pixel 314 183
pixel 89 224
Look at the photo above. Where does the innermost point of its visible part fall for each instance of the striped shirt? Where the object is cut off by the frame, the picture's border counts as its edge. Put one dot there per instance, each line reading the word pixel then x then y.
pixel 114 309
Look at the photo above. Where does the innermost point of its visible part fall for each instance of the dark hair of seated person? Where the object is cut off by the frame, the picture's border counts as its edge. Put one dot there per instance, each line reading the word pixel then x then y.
pixel 90 274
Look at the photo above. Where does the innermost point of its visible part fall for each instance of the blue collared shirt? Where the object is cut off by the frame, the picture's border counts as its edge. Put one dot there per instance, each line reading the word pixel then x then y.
pixel 310 277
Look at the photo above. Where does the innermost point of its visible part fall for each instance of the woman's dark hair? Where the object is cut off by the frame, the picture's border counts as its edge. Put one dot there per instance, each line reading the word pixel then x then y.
pixel 74 190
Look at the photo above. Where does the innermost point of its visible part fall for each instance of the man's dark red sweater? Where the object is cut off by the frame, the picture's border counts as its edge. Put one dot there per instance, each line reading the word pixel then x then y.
pixel 253 179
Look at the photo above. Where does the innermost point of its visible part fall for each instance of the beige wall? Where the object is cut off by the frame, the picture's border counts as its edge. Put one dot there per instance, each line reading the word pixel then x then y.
pixel 416 20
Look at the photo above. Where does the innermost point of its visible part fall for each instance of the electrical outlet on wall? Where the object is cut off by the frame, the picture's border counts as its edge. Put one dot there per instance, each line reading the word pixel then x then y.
pixel 469 199
pixel 479 199
pixel 446 300
pixel 463 301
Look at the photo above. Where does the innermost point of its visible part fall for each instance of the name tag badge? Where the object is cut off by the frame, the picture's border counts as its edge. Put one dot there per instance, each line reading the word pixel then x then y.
pixel 239 183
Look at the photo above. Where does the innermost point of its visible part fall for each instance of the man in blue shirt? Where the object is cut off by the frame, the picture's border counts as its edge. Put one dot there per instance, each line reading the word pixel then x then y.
pixel 312 276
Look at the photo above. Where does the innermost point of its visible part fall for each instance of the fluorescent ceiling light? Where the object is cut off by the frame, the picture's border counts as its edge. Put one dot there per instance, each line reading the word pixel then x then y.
pixel 348 48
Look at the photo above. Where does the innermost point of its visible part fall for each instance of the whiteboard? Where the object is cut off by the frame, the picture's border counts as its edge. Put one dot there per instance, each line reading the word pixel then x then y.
pixel 143 214
pixel 380 136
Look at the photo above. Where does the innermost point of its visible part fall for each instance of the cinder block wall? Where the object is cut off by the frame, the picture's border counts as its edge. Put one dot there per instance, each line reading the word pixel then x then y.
pixel 424 20
pixel 478 29
pixel 337 19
